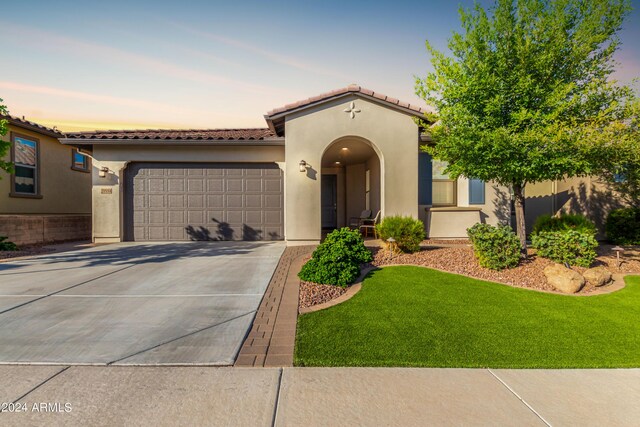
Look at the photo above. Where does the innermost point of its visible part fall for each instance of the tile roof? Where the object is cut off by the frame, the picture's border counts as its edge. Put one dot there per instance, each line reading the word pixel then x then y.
pixel 255 134
pixel 349 89
pixel 27 124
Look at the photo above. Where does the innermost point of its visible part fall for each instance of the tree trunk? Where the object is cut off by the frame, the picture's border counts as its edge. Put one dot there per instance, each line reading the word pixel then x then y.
pixel 518 192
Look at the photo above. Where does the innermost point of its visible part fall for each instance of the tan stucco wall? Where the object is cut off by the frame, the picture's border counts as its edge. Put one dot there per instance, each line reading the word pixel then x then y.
pixel 107 192
pixel 63 190
pixel 582 195
pixel 355 189
pixel 392 134
pixel 453 222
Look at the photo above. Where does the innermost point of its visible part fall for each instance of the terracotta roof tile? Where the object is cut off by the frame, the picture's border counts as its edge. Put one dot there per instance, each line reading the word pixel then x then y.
pixel 255 134
pixel 22 122
pixel 353 88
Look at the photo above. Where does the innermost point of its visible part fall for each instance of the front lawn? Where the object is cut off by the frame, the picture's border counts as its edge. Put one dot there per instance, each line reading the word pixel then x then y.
pixel 413 316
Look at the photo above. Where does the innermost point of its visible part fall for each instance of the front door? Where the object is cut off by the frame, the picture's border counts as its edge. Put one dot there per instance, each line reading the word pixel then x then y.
pixel 329 190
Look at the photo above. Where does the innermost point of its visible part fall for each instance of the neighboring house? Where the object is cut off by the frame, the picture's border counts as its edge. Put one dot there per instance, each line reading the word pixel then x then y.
pixel 319 162
pixel 48 197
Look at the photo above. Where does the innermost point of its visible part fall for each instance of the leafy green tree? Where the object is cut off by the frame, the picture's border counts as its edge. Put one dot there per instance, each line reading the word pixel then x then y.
pixel 619 143
pixel 4 146
pixel 527 83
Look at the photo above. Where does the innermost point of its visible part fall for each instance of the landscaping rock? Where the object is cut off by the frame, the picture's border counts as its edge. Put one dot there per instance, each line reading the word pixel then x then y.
pixel 564 279
pixel 597 276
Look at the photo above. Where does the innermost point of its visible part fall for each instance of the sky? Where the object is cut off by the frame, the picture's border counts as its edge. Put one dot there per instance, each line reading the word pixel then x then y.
pixel 211 64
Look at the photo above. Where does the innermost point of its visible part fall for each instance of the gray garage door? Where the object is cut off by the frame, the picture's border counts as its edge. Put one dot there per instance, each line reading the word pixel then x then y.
pixel 204 201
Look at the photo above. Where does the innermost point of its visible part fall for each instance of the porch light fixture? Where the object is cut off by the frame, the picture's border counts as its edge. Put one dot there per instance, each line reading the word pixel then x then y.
pixel 102 173
pixel 338 163
pixel 303 166
pixel 344 148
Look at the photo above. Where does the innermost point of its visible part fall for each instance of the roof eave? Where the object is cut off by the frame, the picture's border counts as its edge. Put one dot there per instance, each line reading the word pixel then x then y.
pixel 275 121
pixel 36 129
pixel 180 142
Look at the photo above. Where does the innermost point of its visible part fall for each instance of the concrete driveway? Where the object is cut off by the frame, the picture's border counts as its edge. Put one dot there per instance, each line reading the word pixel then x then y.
pixel 132 303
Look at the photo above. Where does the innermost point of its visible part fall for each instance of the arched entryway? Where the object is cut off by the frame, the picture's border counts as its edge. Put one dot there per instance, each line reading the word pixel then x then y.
pixel 351 181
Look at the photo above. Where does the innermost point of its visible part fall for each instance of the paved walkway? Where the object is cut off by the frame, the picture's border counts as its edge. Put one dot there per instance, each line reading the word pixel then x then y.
pixel 273 333
pixel 157 396
pixel 134 303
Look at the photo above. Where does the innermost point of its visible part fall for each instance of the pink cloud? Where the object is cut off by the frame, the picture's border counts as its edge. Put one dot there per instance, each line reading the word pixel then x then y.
pixel 272 56
pixel 115 55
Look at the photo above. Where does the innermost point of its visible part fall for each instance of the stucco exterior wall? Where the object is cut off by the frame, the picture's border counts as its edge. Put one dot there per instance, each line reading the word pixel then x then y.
pixel 108 193
pixel 63 190
pixel 394 137
pixel 587 196
pixel 452 222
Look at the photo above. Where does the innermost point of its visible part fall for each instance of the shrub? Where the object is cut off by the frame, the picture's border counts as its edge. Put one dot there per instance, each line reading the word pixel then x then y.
pixel 336 261
pixel 623 226
pixel 495 247
pixel 6 245
pixel 563 222
pixel 407 231
pixel 568 246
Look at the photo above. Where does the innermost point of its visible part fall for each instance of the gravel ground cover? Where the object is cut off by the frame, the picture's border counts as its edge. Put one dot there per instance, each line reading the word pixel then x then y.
pixel 25 251
pixel 529 274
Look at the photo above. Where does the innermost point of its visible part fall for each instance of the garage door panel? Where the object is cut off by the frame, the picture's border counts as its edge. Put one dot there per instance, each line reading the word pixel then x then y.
pixel 204 202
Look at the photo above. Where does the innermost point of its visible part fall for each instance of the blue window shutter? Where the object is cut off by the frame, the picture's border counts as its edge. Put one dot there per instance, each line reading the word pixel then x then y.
pixel 476 192
pixel 424 179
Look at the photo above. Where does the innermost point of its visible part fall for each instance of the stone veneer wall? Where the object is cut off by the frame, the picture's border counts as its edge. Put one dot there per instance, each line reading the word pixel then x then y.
pixel 33 229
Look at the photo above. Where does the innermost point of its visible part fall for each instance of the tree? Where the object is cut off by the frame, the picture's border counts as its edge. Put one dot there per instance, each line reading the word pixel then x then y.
pixel 527 83
pixel 619 143
pixel 4 146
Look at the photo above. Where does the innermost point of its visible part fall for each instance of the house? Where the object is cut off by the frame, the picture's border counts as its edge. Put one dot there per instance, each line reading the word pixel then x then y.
pixel 318 163
pixel 48 197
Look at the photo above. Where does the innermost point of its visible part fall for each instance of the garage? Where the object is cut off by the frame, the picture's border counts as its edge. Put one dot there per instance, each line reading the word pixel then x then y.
pixel 203 201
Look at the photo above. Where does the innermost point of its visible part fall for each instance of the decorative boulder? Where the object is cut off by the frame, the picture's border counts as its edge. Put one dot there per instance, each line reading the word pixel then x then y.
pixel 597 276
pixel 564 279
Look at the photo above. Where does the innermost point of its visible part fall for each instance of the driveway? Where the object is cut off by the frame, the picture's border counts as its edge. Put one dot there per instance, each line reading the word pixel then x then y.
pixel 134 304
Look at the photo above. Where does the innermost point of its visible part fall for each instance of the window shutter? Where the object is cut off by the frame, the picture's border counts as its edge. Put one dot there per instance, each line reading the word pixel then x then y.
pixel 424 179
pixel 476 192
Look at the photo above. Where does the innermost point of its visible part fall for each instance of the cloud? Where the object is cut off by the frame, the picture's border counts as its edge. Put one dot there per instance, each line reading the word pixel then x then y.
pixel 117 56
pixel 272 56
pixel 102 99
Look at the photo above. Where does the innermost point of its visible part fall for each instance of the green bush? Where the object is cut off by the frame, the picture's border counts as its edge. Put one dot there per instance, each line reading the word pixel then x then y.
pixel 6 245
pixel 496 248
pixel 407 231
pixel 336 261
pixel 623 226
pixel 563 222
pixel 568 246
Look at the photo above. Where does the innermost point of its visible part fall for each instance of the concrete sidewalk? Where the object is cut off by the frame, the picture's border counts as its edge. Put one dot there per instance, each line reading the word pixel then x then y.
pixel 318 396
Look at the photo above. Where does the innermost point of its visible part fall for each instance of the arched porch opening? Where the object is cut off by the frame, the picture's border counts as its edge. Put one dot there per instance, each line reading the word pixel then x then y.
pixel 351 182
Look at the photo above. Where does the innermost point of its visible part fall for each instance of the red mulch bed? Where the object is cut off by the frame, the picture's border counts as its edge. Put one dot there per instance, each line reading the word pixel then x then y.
pixel 25 251
pixel 313 294
pixel 529 274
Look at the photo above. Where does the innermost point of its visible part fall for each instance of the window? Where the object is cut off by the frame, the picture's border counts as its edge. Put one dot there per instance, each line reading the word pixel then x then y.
pixel 476 192
pixel 79 161
pixel 444 189
pixel 25 156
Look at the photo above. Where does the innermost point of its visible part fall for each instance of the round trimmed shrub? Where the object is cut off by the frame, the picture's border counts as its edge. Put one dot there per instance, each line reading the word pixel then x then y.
pixel 623 226
pixel 6 245
pixel 563 222
pixel 496 248
pixel 568 246
pixel 407 231
pixel 336 261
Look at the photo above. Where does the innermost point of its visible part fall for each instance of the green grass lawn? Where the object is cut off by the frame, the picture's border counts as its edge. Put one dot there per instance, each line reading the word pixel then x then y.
pixel 412 316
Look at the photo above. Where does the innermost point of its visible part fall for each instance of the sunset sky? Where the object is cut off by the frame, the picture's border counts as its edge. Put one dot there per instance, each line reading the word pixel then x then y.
pixel 207 64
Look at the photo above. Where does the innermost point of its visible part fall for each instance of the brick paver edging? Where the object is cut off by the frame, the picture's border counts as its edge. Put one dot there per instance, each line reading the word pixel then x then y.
pixel 272 337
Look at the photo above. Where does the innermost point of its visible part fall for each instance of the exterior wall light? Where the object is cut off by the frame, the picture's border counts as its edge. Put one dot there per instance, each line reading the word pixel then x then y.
pixel 102 173
pixel 303 166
